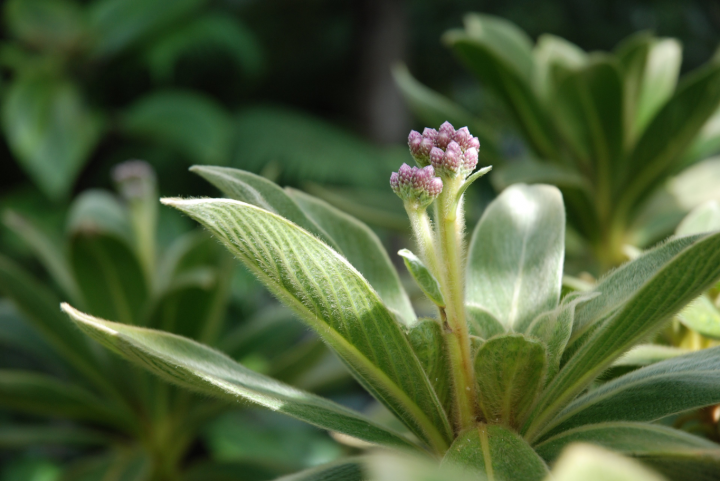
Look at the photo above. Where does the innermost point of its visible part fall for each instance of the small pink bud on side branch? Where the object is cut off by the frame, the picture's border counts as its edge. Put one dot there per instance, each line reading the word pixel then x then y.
pixel 417 187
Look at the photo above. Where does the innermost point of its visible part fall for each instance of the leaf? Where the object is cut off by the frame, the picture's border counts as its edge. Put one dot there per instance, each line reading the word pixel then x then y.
pixel 671 132
pixel 50 130
pixel 189 123
pixel 704 218
pixel 680 280
pixel 46 249
pixel 423 277
pixel 362 248
pixel 54 25
pixel 551 55
pixel 43 395
pixel 646 354
pixel 17 334
pixel 426 339
pixel 500 55
pixel 702 316
pixel 510 373
pixel 202 36
pixel 515 259
pixel 496 452
pixel 433 108
pixel 348 469
pixel 535 172
pixel 119 24
pixel 23 436
pixel 333 299
pixel 668 387
pixel 591 463
pixel 696 184
pixel 395 466
pixel 481 323
pixel 553 328
pixel 675 453
pixel 202 369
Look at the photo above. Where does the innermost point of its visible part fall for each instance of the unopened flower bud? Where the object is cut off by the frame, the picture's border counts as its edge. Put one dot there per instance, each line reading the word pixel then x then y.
pixel 445 135
pixel 453 157
pixel 462 136
pixel 435 186
pixel 416 187
pixel 473 143
pixel 450 152
pixel 414 140
pixel 430 134
pixel 436 157
pixel 470 159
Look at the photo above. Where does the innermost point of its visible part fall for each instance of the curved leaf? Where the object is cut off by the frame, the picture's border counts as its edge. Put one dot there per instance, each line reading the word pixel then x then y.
pixel 704 218
pixel 344 470
pixel 202 369
pixel 423 277
pixel 481 323
pixel 426 339
pixel 553 55
pixel 515 259
pixel 335 300
pixel 591 463
pixel 702 316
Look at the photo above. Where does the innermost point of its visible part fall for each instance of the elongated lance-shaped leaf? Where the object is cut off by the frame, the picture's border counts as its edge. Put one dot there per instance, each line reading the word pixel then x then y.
pixel 704 218
pixel 348 469
pixel 661 389
pixel 591 463
pixel 515 259
pixel 702 316
pixel 362 248
pixel 511 371
pixel 333 299
pixel 426 339
pixel 678 455
pixel 423 277
pixel 30 435
pixel 197 367
pixel 686 276
pixel 554 56
pixel 496 452
pixel 481 323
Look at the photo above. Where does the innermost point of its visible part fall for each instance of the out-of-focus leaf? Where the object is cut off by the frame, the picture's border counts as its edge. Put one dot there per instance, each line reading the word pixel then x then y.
pixel 591 463
pixel 362 248
pixel 210 470
pixel 17 333
pixel 707 142
pixel 349 469
pixel 206 33
pixel 118 24
pixel 190 123
pixel 122 464
pixel 423 277
pixel 534 172
pixel 646 354
pixel 497 453
pixel 702 316
pixel 511 371
pixel 704 218
pixel 22 436
pixel 50 130
pixel 515 258
pixel 200 368
pixel 481 323
pixel 46 24
pixel 550 55
pixel 683 278
pixel 686 382
pixel 428 344
pixel 697 184
pixel 335 300
pixel 388 466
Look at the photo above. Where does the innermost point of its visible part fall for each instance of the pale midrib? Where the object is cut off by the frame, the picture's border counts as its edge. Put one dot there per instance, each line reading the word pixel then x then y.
pixel 518 281
pixel 485 445
pixel 381 379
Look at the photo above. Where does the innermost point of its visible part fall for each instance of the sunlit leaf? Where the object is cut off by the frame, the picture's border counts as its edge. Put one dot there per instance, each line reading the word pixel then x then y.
pixel 423 277
pixel 591 463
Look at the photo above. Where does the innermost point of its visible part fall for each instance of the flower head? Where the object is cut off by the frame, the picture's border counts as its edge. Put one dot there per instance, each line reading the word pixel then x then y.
pixel 450 152
pixel 416 186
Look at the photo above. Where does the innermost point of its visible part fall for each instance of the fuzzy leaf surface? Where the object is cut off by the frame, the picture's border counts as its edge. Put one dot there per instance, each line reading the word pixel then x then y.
pixel 481 323
pixel 515 259
pixel 333 299
pixel 197 367
pixel 423 277
pixel 427 341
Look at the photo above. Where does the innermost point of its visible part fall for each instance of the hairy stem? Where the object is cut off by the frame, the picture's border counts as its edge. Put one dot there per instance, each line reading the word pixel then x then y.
pixel 457 341
pixel 423 232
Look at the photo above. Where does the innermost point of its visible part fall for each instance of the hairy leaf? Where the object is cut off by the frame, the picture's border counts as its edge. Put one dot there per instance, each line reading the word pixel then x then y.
pixel 423 277
pixel 515 258
pixel 335 300
pixel 202 369
pixel 702 316
pixel 426 339
pixel 349 469
pixel 481 323
pixel 591 463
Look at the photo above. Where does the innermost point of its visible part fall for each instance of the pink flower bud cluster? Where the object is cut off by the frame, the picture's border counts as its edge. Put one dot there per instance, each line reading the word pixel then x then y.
pixel 448 150
pixel 419 186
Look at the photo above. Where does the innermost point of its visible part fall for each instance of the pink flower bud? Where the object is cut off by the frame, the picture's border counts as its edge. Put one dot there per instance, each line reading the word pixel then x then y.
pixel 426 146
pixel 453 157
pixel 436 157
pixel 462 136
pixel 430 134
pixel 395 182
pixel 405 175
pixel 473 143
pixel 435 186
pixel 414 141
pixel 470 159
pixel 445 135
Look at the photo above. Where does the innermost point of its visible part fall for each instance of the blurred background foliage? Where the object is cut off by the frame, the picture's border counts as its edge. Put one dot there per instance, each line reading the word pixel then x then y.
pixel 317 94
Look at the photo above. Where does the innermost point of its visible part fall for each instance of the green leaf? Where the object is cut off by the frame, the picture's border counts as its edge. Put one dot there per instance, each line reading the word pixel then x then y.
pixel 702 316
pixel 349 469
pixel 426 339
pixel 18 334
pixel 497 453
pixel 202 369
pixel 534 172
pixel 24 436
pixel 511 371
pixel 553 55
pixel 333 299
pixel 209 32
pixel 554 327
pixel 696 184
pixel 190 123
pixel 40 394
pixel 684 277
pixel 671 132
pixel 591 463
pixel 423 277
pixel 54 25
pixel 704 218
pixel 515 259
pixel 646 354
pixel 395 466
pixel 481 323
pixel 362 248
pixel 675 453
pixel 50 130
pixel 119 24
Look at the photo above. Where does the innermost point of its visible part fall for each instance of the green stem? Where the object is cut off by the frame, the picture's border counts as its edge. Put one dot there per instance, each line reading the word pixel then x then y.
pixel 423 231
pixel 450 223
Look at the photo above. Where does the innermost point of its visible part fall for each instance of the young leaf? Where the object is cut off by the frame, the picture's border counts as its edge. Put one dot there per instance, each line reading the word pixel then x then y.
pixel 590 463
pixel 202 369
pixel 335 300
pixel 362 248
pixel 686 276
pixel 481 323
pixel 515 258
pixel 661 389
pixel 427 341
pixel 702 316
pixel 423 277
pixel 497 453
pixel 511 371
